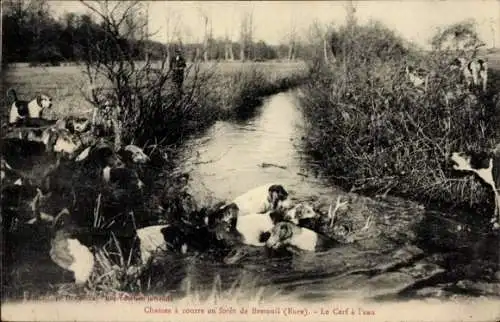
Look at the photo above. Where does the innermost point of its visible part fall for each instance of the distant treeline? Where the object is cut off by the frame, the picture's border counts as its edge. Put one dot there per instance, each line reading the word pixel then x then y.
pixel 32 34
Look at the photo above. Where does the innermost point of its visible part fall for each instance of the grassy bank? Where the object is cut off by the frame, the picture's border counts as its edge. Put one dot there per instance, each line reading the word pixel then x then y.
pixel 212 92
pixel 240 91
pixel 368 129
pixel 225 82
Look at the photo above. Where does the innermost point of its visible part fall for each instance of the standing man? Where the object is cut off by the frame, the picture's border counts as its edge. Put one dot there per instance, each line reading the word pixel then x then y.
pixel 177 65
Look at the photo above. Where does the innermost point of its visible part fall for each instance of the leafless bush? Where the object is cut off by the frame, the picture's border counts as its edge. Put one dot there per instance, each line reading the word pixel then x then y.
pixel 147 104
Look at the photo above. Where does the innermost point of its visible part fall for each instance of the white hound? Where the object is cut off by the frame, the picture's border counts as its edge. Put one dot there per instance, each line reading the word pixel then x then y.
pixel 474 71
pixel 69 253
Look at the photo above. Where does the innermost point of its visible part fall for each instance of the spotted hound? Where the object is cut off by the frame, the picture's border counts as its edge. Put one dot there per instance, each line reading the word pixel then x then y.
pixel 21 110
pixel 301 212
pixel 262 199
pixel 286 234
pixel 487 167
pixel 105 118
pixel 133 154
pixel 77 124
pixel 475 71
pixel 253 229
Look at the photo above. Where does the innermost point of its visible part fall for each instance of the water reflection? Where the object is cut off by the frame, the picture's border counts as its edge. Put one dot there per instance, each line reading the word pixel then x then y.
pixel 235 157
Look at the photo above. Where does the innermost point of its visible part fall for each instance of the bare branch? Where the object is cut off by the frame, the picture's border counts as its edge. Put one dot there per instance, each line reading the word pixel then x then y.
pixel 93 9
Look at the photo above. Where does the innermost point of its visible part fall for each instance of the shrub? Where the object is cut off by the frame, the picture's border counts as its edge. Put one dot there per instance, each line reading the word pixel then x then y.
pixel 367 127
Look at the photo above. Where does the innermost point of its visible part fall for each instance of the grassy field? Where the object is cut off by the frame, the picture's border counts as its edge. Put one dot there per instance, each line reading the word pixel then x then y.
pixel 212 91
pixel 376 134
pixel 67 84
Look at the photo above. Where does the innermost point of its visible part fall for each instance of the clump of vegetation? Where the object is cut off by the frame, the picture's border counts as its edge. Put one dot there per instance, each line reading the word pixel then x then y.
pixel 369 129
pixel 150 107
pixel 238 93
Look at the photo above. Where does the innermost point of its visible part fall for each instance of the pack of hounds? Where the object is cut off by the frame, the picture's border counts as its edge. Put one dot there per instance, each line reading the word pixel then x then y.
pixel 473 72
pixel 64 179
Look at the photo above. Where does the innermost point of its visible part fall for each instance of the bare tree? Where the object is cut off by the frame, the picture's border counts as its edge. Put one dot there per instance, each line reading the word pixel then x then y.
pixel 146 31
pixel 206 53
pixel 493 25
pixel 228 47
pixel 292 39
pixel 114 72
pixel 322 35
pixel 351 25
pixel 246 34
pixel 208 33
pixel 250 30
pixel 243 38
pixel 172 32
pixel 325 47
pixel 228 39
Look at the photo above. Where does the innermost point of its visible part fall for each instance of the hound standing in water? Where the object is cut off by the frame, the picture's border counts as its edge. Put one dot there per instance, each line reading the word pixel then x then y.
pixel 154 239
pixel 254 229
pixel 487 167
pixel 262 199
pixel 304 212
pixel 286 234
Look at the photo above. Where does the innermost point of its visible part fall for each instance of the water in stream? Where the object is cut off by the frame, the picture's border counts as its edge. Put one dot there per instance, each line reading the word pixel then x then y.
pixel 401 255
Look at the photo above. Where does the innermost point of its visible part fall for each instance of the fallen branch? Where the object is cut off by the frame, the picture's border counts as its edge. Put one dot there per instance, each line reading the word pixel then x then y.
pixel 268 165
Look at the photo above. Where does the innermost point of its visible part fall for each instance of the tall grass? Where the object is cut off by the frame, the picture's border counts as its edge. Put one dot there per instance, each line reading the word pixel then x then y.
pixel 238 94
pixel 370 130
pixel 213 91
pixel 218 92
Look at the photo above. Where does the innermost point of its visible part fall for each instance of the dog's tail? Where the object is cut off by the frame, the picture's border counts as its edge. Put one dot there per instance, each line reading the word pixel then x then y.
pixel 11 93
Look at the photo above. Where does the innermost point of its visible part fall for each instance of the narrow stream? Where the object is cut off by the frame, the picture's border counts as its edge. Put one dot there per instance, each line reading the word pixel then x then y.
pixel 232 158
pixel 407 252
pixel 393 259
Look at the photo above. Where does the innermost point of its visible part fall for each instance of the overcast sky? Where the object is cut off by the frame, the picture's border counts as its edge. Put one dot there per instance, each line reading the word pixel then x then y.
pixel 414 20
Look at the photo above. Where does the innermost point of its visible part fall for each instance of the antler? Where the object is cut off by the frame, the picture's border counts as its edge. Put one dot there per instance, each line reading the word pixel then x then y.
pixel 333 214
pixel 35 204
pixel 64 212
pixel 368 223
